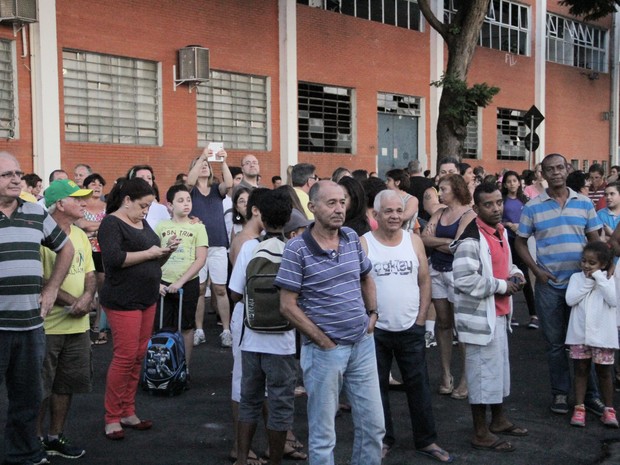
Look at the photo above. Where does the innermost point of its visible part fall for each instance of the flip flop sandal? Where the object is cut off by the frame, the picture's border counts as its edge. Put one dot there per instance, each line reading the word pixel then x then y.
pixel 436 454
pixel 512 430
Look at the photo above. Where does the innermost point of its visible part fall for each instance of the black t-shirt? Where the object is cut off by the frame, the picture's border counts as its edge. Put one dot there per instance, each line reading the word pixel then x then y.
pixel 417 187
pixel 135 287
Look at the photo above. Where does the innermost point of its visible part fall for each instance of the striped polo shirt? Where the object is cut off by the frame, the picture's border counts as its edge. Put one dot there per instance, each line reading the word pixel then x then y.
pixel 560 232
pixel 21 271
pixel 328 283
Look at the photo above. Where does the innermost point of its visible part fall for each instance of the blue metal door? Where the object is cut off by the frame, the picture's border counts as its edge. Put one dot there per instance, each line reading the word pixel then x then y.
pixel 398 141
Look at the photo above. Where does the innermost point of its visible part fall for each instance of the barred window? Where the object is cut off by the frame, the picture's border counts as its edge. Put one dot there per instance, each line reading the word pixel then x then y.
pixel 470 144
pixel 325 118
pixel 577 44
pixel 401 13
pixel 233 109
pixel 399 104
pixel 511 131
pixel 506 25
pixel 110 99
pixel 8 91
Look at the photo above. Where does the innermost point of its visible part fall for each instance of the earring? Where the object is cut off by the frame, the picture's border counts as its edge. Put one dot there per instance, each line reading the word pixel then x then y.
pixel 126 205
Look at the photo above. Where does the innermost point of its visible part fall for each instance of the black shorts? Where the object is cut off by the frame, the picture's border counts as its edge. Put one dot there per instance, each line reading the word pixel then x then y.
pixel 191 292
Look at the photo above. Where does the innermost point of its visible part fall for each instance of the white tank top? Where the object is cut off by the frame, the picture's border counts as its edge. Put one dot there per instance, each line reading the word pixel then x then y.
pixel 395 271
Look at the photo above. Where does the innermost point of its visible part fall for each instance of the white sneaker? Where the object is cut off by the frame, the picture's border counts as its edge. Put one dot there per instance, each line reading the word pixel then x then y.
pixel 199 337
pixel 226 338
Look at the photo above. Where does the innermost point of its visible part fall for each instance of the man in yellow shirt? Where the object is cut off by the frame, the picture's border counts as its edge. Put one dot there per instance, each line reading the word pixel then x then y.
pixel 67 364
pixel 303 177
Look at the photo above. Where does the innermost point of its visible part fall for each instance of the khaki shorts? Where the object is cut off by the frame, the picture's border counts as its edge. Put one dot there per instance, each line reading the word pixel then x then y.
pixel 67 368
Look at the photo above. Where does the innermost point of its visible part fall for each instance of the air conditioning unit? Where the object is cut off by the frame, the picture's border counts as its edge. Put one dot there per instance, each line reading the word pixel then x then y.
pixel 193 63
pixel 18 11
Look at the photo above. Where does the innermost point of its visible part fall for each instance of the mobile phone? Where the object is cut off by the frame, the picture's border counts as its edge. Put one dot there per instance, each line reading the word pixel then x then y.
pixel 215 147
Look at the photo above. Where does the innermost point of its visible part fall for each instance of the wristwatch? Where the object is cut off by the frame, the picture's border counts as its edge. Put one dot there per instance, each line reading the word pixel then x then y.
pixel 371 312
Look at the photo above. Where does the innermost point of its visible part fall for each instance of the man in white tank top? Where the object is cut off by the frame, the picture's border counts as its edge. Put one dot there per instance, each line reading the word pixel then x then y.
pixel 400 271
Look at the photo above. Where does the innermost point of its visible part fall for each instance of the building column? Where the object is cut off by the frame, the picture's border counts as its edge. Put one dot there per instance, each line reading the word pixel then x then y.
pixel 614 104
pixel 44 89
pixel 289 141
pixel 436 70
pixel 540 74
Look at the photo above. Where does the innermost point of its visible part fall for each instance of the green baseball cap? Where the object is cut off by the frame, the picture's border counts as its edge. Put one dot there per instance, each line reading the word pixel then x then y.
pixel 62 188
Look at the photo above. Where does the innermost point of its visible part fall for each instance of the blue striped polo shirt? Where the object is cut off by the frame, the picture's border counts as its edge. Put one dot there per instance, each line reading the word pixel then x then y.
pixel 560 232
pixel 21 270
pixel 328 283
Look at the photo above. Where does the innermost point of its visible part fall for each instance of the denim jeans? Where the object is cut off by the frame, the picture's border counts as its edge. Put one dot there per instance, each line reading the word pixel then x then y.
pixel 354 369
pixel 21 362
pixel 408 347
pixel 553 313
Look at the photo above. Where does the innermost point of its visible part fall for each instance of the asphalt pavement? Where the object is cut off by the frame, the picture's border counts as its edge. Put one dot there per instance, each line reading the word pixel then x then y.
pixel 195 428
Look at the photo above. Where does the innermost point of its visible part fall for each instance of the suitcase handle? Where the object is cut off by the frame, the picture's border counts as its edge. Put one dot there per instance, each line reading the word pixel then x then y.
pixel 161 309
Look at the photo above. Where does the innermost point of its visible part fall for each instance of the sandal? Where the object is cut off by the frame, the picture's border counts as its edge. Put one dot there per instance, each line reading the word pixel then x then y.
pixel 102 339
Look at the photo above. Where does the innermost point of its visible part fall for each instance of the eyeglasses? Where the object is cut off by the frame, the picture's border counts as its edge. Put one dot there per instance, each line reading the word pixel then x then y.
pixel 314 176
pixel 11 174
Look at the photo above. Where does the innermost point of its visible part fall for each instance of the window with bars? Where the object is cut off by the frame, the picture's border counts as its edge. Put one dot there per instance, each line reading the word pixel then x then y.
pixel 233 109
pixel 470 144
pixel 110 99
pixel 511 131
pixel 406 105
pixel 401 13
pixel 506 25
pixel 8 91
pixel 325 118
pixel 576 44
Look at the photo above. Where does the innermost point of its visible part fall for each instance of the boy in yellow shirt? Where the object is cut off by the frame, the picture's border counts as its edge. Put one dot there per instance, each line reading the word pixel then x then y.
pixel 181 269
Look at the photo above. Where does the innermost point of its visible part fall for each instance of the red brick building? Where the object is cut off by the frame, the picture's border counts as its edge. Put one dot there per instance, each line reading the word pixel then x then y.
pixel 331 82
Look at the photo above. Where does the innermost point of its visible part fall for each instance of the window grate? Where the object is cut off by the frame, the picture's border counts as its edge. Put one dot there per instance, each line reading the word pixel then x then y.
pixel 470 144
pixel 576 44
pixel 325 118
pixel 233 109
pixel 405 105
pixel 506 26
pixel 511 132
pixel 400 13
pixel 8 113
pixel 110 99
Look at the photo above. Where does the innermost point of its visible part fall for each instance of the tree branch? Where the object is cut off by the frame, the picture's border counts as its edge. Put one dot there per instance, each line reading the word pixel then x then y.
pixel 428 14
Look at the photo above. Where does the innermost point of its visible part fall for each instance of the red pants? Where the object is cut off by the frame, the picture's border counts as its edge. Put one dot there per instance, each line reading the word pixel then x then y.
pixel 131 330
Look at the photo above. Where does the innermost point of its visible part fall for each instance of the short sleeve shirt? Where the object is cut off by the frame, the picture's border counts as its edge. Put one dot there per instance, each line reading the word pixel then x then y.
pixel 191 236
pixel 328 283
pixel 560 232
pixel 21 270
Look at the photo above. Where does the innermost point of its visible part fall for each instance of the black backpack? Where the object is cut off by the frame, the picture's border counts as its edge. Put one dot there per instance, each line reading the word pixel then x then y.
pixel 262 298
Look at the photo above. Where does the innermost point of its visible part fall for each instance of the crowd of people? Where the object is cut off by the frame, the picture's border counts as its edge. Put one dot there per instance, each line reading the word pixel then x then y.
pixel 371 272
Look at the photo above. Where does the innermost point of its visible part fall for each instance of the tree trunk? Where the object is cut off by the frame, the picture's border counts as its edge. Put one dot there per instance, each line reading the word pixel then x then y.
pixel 461 37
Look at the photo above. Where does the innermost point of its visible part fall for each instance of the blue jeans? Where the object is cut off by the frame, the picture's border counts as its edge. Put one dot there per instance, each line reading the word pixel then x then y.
pixel 21 362
pixel 408 347
pixel 553 313
pixel 354 369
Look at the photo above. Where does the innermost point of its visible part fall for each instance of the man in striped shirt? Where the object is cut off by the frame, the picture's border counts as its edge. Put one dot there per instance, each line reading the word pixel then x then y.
pixel 328 294
pixel 24 302
pixel 562 221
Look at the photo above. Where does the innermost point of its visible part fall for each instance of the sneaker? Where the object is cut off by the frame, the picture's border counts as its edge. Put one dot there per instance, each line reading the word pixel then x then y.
pixel 533 324
pixel 579 416
pixel 63 448
pixel 42 461
pixel 595 406
pixel 514 322
pixel 559 404
pixel 429 339
pixel 226 338
pixel 199 337
pixel 609 417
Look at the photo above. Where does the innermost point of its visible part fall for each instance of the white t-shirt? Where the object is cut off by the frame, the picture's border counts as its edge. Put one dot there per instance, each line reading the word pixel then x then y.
pixel 157 212
pixel 395 272
pixel 254 341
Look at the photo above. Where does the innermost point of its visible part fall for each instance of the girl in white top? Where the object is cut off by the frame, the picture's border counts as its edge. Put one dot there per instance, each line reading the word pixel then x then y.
pixel 157 211
pixel 592 329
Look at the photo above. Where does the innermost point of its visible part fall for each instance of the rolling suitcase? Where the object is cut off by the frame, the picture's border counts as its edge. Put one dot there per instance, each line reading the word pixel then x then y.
pixel 164 369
